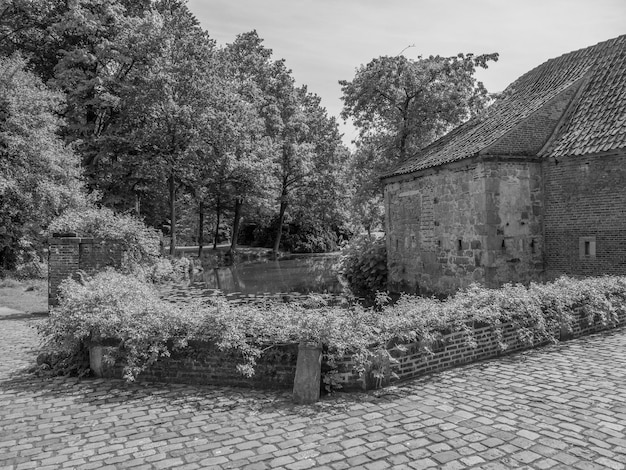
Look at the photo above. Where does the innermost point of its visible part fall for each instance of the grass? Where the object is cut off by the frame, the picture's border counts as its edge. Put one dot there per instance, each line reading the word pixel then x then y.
pixel 29 296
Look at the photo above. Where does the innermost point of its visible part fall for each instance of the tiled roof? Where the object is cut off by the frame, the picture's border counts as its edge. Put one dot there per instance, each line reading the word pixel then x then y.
pixel 597 122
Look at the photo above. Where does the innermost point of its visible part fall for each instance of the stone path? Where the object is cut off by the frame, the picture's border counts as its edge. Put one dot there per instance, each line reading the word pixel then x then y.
pixel 559 407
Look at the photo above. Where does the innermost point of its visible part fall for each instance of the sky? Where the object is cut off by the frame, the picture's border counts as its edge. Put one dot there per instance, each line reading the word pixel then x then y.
pixel 324 41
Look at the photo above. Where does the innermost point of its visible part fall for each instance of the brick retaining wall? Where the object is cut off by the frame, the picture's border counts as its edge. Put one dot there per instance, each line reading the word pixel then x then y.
pixel 454 350
pixel 204 364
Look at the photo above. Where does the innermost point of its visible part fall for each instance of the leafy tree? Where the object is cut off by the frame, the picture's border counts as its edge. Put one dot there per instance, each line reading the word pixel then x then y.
pixel 150 102
pixel 165 109
pixel 400 105
pixel 412 102
pixel 238 127
pixel 365 165
pixel 24 28
pixel 322 199
pixel 39 174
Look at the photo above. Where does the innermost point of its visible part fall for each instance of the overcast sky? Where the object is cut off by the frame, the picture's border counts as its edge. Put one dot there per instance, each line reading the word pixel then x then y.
pixel 323 41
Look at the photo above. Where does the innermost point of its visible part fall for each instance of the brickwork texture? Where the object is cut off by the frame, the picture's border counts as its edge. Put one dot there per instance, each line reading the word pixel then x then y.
pixel 69 255
pixel 585 197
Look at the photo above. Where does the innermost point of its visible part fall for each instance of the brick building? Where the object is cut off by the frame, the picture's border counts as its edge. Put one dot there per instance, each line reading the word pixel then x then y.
pixel 534 188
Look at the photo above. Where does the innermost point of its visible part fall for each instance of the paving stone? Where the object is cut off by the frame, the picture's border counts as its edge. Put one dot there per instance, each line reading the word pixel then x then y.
pixel 551 408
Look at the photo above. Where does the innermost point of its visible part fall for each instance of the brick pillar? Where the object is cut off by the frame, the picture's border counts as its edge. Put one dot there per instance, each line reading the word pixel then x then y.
pixel 63 262
pixel 69 254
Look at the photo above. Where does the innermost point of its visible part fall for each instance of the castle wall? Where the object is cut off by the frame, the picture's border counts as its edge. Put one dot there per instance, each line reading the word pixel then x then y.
pixel 477 221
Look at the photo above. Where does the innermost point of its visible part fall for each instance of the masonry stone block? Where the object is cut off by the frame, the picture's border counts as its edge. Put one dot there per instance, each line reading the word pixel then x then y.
pixel 307 382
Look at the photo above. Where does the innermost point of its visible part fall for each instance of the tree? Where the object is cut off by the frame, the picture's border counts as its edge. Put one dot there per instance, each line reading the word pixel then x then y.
pixel 165 108
pixel 298 140
pixel 39 174
pixel 400 105
pixel 414 101
pixel 321 201
pixel 247 65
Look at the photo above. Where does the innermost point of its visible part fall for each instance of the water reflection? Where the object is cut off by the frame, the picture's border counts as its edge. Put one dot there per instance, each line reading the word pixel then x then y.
pixel 296 273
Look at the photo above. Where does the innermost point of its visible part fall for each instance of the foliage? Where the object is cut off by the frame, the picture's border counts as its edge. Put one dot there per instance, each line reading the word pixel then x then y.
pixel 112 306
pixel 400 105
pixel 141 242
pixel 364 265
pixel 121 307
pixel 414 101
pixel 39 174
pixel 163 270
pixel 299 236
pixel 151 102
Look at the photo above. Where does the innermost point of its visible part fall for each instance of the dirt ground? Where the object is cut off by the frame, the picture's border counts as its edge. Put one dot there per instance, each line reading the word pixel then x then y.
pixel 30 296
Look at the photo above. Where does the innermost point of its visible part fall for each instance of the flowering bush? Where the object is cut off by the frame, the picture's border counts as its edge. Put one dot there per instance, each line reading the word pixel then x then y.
pixel 122 307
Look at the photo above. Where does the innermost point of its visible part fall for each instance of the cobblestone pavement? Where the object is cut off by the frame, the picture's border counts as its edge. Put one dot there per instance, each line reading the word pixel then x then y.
pixel 557 407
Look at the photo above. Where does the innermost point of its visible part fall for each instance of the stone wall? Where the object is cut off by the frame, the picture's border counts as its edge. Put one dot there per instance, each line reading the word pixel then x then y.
pixel 69 255
pixel 514 248
pixel 454 350
pixel 585 216
pixel 479 221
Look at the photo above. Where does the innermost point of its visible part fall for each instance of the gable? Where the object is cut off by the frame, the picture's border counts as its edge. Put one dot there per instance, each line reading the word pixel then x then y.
pixel 530 135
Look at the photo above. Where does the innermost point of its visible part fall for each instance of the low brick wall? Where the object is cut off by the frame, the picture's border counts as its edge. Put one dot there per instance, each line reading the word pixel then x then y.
pixel 68 255
pixel 204 364
pixel 454 350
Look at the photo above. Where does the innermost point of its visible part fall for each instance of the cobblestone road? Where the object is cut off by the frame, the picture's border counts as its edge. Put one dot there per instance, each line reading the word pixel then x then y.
pixel 558 407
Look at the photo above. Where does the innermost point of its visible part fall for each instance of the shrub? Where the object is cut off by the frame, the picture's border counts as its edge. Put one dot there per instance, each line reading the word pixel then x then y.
pixel 162 270
pixel 111 305
pixel 122 307
pixel 364 265
pixel 142 243
pixel 297 237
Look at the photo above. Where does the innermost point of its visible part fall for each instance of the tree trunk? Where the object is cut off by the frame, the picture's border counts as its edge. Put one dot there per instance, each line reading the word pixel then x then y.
pixel 236 223
pixel 281 219
pixel 200 228
pixel 218 210
pixel 172 214
pixel 137 204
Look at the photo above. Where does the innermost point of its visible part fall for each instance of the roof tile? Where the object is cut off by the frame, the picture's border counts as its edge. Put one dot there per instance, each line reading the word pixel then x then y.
pixel 597 121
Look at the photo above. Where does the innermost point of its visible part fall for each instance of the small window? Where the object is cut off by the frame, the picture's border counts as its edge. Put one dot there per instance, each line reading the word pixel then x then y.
pixel 587 247
pixel 460 245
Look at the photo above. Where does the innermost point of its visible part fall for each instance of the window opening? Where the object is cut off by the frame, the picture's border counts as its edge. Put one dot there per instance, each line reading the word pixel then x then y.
pixel 587 247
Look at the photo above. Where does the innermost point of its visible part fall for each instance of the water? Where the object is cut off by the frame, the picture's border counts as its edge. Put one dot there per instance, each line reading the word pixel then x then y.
pixel 285 279
pixel 303 274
